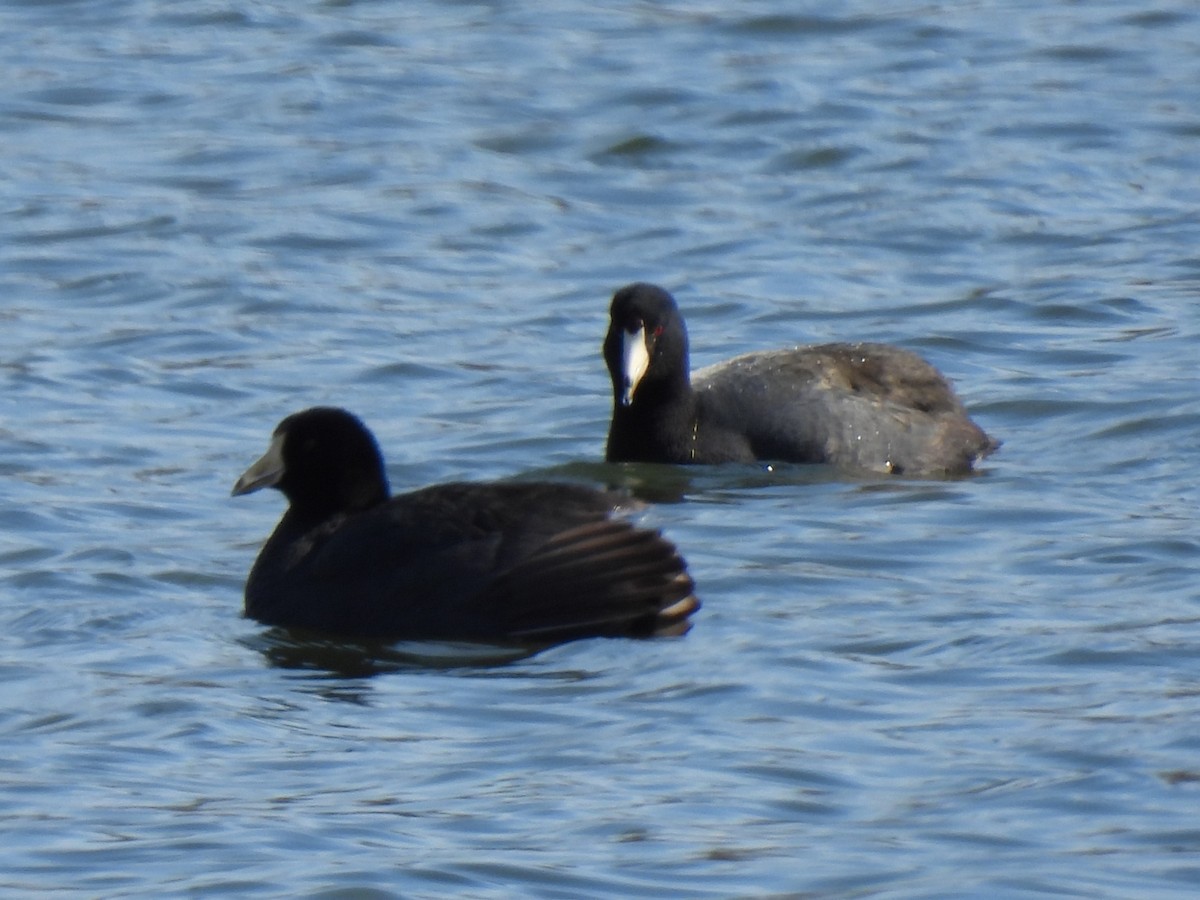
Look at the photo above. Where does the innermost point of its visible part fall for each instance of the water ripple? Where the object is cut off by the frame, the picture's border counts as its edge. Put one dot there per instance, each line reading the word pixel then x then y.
pixel 213 217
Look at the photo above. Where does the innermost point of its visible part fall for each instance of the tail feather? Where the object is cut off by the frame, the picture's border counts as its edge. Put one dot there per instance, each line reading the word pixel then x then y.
pixel 602 578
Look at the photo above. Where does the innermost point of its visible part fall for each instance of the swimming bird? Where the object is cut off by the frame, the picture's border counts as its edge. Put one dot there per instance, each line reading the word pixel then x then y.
pixel 872 407
pixel 530 563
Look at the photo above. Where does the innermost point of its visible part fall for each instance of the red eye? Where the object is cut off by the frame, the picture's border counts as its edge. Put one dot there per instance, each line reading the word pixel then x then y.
pixel 658 329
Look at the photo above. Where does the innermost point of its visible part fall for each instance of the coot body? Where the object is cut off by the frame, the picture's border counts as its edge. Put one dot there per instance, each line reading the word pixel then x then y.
pixel 498 562
pixel 872 407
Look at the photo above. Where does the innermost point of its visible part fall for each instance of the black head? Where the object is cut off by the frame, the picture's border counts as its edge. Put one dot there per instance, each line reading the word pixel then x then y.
pixel 646 348
pixel 324 460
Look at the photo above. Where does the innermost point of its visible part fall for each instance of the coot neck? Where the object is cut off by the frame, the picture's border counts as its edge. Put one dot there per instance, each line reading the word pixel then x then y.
pixel 264 590
pixel 659 426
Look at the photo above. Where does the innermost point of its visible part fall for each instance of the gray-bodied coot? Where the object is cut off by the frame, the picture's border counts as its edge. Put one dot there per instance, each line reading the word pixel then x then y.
pixel 861 406
pixel 531 563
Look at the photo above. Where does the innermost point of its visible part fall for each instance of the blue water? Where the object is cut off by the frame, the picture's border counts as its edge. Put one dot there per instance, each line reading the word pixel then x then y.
pixel 214 214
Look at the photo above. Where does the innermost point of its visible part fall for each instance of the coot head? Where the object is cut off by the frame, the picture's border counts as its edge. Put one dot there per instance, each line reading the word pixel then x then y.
pixel 646 348
pixel 324 460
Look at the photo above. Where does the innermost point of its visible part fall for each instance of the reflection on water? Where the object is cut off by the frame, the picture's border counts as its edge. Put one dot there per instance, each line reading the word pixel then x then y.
pixel 342 658
pixel 658 483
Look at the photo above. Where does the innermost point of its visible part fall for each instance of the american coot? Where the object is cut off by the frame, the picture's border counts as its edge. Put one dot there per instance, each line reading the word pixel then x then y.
pixel 863 406
pixel 502 562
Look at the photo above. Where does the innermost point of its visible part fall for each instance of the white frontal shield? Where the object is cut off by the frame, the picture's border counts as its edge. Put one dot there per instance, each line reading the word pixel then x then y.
pixel 635 359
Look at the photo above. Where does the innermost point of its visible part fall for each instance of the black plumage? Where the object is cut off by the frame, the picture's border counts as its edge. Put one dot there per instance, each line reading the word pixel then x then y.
pixel 532 563
pixel 865 406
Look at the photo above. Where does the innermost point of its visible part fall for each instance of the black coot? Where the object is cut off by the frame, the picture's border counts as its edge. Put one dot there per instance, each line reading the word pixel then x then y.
pixel 862 406
pixel 497 562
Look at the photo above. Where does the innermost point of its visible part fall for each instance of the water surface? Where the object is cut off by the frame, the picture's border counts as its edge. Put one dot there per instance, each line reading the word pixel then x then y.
pixel 213 215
